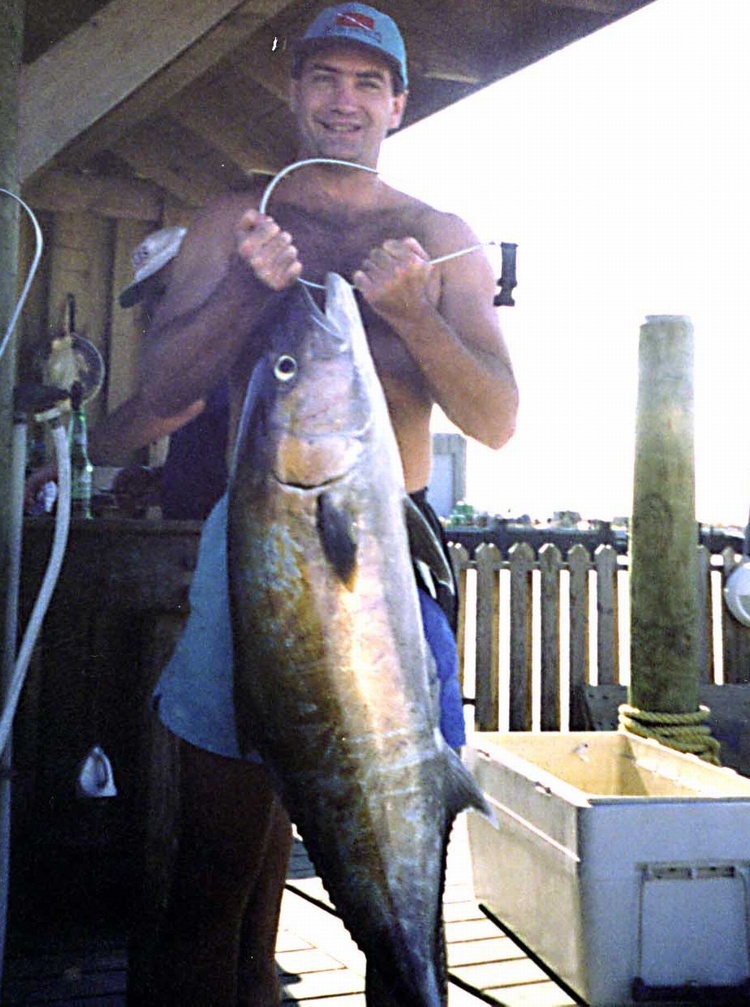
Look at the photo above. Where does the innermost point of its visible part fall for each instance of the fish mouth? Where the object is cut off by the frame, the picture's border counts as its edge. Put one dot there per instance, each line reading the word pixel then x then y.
pixel 314 462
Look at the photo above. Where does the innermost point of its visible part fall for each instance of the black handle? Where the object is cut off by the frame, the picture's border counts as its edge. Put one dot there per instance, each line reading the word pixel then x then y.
pixel 71 314
pixel 507 280
pixel 714 995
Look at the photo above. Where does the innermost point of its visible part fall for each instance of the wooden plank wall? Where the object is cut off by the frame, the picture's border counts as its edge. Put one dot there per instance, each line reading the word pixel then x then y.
pixel 534 631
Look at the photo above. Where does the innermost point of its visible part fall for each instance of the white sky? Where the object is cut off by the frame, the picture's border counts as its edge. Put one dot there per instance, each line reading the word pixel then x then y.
pixel 621 167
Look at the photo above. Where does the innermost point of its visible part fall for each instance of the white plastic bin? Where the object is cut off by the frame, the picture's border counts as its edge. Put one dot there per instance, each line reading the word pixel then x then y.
pixel 624 865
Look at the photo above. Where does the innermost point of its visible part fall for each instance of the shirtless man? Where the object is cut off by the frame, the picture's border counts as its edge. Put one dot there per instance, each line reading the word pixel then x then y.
pixel 435 339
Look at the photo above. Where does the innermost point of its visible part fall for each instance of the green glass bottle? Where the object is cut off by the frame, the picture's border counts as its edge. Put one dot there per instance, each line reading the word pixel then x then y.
pixel 81 469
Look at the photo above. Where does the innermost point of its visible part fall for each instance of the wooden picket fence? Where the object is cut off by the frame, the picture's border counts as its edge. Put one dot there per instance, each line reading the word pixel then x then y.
pixel 535 627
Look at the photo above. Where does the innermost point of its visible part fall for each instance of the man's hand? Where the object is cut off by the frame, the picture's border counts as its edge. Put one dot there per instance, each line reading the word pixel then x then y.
pixel 268 250
pixel 394 279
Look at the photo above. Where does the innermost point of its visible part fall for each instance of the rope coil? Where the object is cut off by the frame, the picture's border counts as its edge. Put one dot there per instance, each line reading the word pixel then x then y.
pixel 685 732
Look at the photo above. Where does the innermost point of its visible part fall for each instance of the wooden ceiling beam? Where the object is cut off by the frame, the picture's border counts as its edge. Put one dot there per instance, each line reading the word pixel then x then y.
pixel 271 72
pixel 544 33
pixel 179 163
pixel 243 122
pixel 438 57
pixel 446 51
pixel 457 71
pixel 150 98
pixel 608 7
pixel 98 67
pixel 436 62
pixel 234 144
pixel 132 199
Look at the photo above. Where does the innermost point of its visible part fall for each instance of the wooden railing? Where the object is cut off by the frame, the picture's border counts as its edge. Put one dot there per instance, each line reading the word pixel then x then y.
pixel 536 626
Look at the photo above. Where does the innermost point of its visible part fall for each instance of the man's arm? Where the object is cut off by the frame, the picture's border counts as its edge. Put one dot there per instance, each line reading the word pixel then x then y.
pixel 229 264
pixel 454 337
pixel 132 426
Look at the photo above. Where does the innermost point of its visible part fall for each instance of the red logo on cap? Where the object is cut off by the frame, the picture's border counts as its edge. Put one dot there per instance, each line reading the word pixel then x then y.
pixel 353 19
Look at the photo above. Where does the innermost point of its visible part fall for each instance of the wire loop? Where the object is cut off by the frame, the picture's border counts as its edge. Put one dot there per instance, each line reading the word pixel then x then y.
pixel 362 167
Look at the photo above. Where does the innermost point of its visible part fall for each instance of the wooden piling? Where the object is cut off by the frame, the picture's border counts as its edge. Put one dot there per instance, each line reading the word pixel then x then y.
pixel 11 29
pixel 663 550
pixel 11 35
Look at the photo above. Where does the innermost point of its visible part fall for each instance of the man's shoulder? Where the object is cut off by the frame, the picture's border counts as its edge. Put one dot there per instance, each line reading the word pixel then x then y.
pixel 432 226
pixel 235 202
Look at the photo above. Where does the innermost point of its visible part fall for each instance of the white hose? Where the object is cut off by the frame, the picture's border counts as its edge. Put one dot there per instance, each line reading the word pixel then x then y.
pixel 302 164
pixel 18 463
pixel 32 269
pixel 59 542
pixel 11 683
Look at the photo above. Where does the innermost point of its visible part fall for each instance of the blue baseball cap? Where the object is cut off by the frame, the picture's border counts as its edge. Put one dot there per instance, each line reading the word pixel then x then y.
pixel 355 22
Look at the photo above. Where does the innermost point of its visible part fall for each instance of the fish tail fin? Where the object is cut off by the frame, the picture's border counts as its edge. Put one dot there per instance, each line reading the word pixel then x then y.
pixel 462 789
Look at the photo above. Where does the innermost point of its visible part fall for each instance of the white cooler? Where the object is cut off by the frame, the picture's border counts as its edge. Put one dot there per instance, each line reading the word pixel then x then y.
pixel 624 865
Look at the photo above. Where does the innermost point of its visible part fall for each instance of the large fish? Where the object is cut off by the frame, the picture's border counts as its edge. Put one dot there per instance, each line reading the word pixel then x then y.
pixel 334 683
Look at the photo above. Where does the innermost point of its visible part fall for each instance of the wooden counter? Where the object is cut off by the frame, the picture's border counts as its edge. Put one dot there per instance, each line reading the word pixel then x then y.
pixel 117 610
pixel 126 563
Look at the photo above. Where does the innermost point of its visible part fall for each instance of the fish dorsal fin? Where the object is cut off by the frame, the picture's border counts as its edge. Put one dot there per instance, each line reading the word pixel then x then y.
pixel 424 545
pixel 337 536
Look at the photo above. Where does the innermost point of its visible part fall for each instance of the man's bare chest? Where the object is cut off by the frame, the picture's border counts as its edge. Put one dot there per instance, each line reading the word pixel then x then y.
pixel 340 242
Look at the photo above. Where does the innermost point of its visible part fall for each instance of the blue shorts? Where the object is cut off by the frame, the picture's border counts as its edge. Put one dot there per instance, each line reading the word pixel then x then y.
pixel 194 693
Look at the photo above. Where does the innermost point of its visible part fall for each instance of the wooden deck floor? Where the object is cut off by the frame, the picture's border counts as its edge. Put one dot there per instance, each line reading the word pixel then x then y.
pixel 321 966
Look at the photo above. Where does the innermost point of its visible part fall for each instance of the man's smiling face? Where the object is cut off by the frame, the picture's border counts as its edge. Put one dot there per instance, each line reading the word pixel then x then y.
pixel 345 104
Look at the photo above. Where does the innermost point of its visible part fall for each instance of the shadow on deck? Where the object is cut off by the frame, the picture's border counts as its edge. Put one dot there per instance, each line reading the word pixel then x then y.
pixel 67 943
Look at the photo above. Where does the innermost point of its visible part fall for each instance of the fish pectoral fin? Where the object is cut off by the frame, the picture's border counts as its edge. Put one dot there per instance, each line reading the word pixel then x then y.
pixel 425 547
pixel 463 791
pixel 337 534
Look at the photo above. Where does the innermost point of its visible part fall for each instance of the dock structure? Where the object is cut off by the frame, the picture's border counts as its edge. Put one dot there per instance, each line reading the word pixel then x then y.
pixel 320 965
pixel 326 969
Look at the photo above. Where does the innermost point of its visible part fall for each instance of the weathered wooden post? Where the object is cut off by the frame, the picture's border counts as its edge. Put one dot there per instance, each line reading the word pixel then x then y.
pixel 11 34
pixel 664 626
pixel 11 27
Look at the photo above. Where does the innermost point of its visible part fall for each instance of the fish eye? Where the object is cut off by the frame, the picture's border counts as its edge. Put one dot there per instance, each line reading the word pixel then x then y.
pixel 285 368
